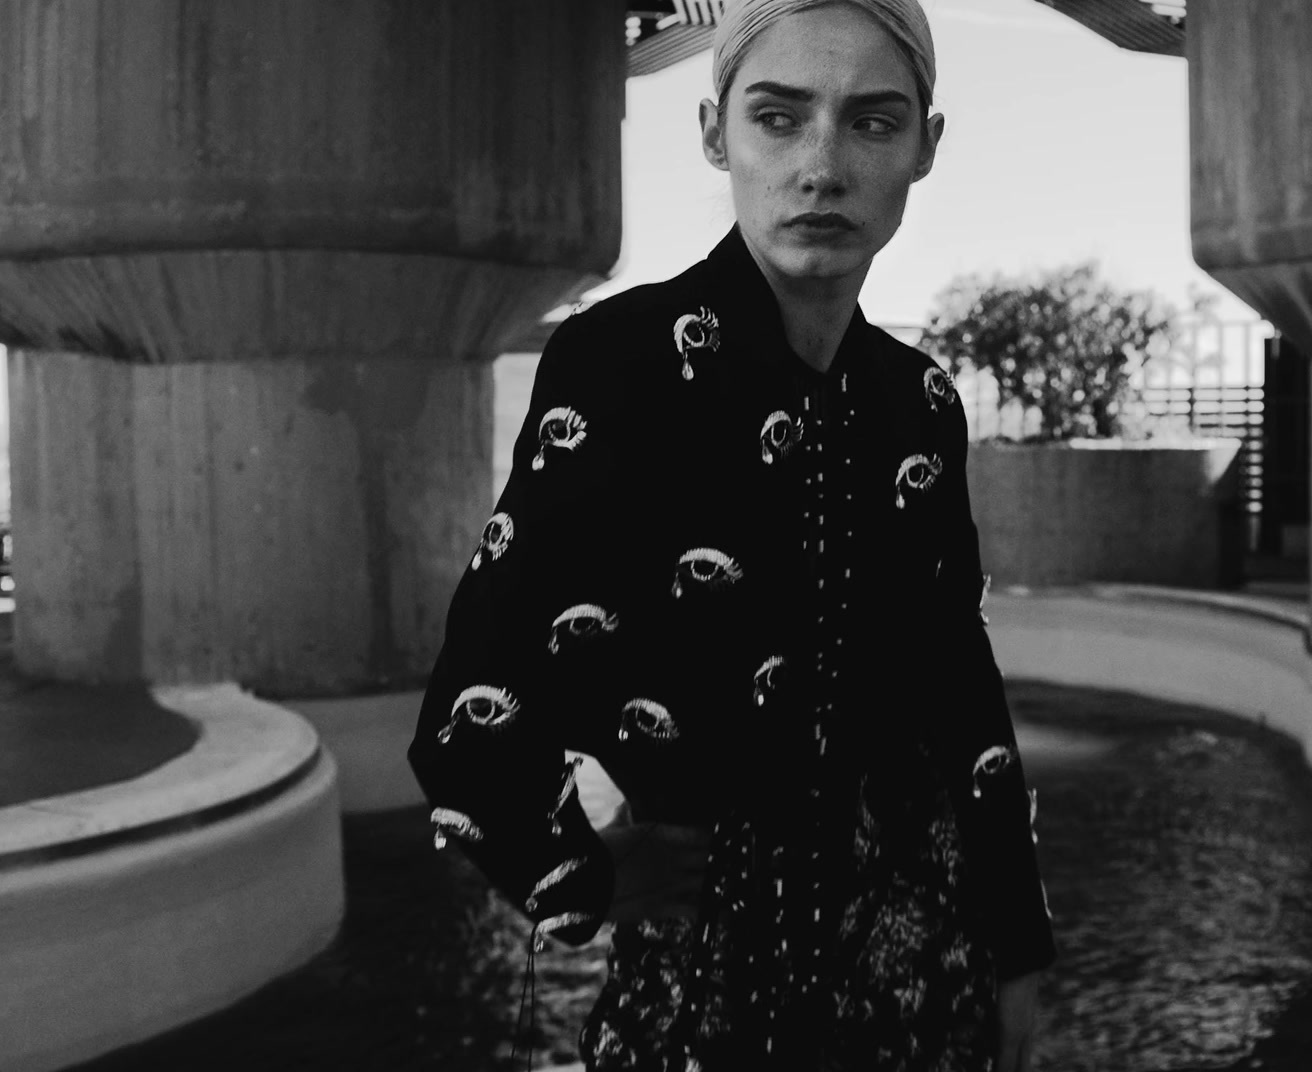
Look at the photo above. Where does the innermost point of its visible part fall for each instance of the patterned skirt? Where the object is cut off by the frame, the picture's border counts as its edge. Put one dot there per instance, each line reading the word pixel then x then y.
pixel 908 985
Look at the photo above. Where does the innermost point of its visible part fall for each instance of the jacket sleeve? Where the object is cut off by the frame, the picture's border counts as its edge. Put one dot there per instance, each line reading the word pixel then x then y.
pixel 995 811
pixel 488 748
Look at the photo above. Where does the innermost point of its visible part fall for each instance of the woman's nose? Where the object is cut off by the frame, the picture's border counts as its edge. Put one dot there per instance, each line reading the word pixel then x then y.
pixel 822 167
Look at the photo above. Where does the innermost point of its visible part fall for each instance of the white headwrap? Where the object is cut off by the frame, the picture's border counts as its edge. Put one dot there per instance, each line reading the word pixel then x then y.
pixel 744 20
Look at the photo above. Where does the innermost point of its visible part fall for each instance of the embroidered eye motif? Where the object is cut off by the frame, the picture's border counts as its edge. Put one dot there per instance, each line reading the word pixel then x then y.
pixel 560 427
pixel 992 762
pixel 649 718
pixel 483 705
pixel 552 878
pixel 696 331
pixel 580 623
pixel 567 782
pixel 940 391
pixel 705 568
pixel 769 679
pixel 452 823
pixel 916 473
pixel 779 437
pixel 497 534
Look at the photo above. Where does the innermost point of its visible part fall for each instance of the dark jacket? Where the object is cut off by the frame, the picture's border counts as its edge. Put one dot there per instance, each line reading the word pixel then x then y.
pixel 670 584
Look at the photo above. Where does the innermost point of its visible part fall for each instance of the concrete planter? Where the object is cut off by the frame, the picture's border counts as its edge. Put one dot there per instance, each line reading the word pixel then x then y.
pixel 1106 510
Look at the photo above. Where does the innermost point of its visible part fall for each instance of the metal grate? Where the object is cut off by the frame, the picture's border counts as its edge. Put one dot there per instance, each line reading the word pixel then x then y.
pixel 660 33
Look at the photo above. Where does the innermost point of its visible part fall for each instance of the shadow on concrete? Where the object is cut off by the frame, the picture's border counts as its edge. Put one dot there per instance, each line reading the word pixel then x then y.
pixel 57 738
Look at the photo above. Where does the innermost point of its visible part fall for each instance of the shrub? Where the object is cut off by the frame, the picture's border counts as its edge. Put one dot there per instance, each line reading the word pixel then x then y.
pixel 1064 344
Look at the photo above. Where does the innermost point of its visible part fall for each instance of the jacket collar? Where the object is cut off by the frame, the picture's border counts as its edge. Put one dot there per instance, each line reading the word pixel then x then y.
pixel 750 313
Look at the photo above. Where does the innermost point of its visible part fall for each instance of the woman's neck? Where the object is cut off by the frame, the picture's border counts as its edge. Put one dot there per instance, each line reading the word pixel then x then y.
pixel 815 312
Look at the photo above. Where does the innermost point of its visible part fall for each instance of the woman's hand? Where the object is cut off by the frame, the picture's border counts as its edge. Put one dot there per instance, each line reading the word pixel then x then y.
pixel 658 868
pixel 1018 1004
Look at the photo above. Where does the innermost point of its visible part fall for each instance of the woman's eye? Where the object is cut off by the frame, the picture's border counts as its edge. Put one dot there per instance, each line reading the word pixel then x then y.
pixel 775 120
pixel 877 124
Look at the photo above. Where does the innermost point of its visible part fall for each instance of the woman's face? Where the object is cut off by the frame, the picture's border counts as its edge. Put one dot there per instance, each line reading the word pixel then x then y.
pixel 822 138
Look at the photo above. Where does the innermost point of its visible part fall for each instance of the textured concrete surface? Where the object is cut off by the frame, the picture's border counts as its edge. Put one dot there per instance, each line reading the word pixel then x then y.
pixel 1250 96
pixel 193 146
pixel 296 526
pixel 1058 514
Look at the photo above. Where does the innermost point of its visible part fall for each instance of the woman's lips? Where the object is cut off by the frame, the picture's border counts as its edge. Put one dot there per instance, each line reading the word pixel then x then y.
pixel 822 221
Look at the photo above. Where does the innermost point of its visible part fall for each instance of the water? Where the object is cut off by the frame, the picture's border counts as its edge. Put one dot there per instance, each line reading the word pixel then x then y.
pixel 1177 846
pixel 1180 875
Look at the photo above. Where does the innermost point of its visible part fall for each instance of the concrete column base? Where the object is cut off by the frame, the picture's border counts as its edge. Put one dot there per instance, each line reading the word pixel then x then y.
pixel 296 526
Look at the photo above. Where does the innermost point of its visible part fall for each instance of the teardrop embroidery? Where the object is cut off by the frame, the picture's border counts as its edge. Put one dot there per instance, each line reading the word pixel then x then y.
pixel 696 331
pixel 917 473
pixel 451 823
pixel 651 719
pixel 561 427
pixel 485 706
pixel 497 534
pixel 992 762
pixel 706 568
pixel 940 391
pixel 780 436
pixel 581 622
pixel 552 878
pixel 768 679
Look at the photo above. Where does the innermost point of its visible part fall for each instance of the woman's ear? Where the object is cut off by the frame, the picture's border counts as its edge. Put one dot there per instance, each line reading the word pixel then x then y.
pixel 929 146
pixel 713 145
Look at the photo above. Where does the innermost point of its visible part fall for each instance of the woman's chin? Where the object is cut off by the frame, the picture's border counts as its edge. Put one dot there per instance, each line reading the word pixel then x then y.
pixel 821 262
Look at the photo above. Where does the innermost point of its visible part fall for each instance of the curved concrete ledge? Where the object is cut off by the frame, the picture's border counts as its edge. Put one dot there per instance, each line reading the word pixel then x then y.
pixel 132 908
pixel 246 748
pixel 1201 650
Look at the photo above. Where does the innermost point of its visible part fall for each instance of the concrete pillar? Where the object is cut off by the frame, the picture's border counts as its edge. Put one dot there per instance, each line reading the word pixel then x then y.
pixel 1250 92
pixel 296 526
pixel 254 261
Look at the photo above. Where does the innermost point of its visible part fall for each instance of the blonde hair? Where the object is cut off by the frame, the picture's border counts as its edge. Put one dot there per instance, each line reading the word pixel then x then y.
pixel 744 20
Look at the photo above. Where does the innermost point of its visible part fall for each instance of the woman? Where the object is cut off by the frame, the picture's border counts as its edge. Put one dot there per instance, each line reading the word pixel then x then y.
pixel 735 562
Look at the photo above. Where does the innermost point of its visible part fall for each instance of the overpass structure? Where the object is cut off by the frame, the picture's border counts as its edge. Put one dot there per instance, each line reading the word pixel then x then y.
pixel 255 262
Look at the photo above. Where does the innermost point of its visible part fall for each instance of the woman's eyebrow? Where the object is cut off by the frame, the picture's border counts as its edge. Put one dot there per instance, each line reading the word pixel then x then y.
pixel 859 100
pixel 778 89
pixel 883 96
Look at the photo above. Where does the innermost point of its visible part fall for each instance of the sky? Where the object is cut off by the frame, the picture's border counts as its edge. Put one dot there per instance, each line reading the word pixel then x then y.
pixel 1059 147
